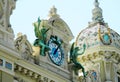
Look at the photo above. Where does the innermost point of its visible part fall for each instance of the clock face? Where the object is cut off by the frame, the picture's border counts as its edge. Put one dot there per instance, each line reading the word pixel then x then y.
pixel 55 53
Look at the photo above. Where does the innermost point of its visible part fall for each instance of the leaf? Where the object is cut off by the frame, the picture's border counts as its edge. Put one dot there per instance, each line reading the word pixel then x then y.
pixel 39 22
pixel 37 32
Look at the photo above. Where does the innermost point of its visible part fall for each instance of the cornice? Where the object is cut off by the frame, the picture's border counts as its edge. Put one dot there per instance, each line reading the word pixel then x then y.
pixel 32 70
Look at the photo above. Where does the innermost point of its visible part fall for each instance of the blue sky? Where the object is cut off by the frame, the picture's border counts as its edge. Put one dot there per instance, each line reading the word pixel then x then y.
pixel 76 13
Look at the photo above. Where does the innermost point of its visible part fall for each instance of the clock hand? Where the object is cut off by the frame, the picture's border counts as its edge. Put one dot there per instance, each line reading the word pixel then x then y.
pixel 56 49
pixel 58 42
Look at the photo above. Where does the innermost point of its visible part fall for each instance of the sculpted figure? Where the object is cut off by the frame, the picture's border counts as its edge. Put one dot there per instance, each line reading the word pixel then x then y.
pixel 41 38
pixel 73 58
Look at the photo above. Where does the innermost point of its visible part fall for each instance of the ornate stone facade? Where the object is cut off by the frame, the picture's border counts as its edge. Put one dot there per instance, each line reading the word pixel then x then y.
pixel 22 62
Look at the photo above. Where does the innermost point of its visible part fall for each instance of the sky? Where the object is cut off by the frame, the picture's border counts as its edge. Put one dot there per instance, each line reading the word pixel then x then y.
pixel 76 13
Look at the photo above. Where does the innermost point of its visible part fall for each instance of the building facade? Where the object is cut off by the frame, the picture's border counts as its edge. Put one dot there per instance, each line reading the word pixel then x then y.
pixel 48 59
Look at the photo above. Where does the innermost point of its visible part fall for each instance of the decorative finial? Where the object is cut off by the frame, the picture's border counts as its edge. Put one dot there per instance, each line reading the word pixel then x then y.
pixel 53 12
pixel 96 3
pixel 19 34
pixel 97 13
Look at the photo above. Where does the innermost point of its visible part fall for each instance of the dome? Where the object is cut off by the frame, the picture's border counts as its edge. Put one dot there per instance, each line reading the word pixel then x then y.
pixel 97 47
pixel 98 35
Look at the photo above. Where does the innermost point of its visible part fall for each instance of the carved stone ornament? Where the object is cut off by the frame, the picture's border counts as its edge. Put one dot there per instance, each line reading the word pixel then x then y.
pixel 31 74
pixel 53 12
pixel 97 13
pixel 23 46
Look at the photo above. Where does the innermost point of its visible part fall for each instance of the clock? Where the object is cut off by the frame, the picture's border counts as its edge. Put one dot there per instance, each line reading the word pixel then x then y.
pixel 56 52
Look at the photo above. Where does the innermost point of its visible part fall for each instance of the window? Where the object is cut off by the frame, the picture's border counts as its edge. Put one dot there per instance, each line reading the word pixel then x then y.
pixel 8 65
pixel 1 62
